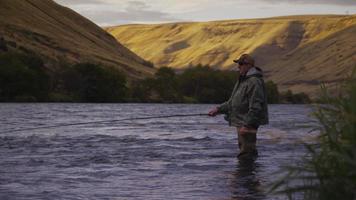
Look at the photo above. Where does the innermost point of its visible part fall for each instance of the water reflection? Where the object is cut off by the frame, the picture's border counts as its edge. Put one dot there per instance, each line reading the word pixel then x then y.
pixel 245 184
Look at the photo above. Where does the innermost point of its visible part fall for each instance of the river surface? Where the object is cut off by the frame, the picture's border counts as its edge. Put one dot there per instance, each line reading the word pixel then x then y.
pixel 166 158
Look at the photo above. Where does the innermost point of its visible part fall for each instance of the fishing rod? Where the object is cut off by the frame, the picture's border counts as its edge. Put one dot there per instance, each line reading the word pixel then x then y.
pixel 103 121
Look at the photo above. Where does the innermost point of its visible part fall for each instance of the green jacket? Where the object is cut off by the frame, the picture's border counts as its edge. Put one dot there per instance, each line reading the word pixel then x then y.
pixel 247 105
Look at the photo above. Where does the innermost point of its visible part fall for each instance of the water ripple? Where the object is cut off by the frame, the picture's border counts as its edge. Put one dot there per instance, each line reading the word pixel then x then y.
pixel 173 158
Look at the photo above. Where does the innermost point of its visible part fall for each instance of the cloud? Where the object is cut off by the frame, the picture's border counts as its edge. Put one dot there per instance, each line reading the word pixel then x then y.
pixel 135 12
pixel 108 12
pixel 321 2
pixel 116 12
pixel 78 2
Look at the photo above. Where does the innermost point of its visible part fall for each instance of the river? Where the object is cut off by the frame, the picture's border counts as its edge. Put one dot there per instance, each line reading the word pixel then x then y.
pixel 166 158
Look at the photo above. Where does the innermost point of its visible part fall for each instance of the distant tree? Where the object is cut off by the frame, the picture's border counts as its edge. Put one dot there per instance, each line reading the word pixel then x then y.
pixel 206 84
pixel 141 90
pixel 148 64
pixel 23 78
pixel 299 98
pixel 88 82
pixel 200 84
pixel 272 92
pixel 165 84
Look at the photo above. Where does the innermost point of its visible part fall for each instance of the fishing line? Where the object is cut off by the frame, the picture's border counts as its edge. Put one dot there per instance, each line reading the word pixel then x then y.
pixel 98 122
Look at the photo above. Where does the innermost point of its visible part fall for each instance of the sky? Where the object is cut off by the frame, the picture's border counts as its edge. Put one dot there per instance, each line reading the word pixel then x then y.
pixel 118 12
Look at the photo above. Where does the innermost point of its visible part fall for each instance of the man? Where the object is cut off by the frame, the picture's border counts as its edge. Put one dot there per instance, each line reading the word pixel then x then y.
pixel 247 107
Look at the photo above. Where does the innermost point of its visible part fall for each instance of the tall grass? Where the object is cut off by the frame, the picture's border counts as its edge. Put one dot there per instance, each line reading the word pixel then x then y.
pixel 328 172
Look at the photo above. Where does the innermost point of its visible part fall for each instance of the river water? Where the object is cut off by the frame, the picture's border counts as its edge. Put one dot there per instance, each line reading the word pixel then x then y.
pixel 167 158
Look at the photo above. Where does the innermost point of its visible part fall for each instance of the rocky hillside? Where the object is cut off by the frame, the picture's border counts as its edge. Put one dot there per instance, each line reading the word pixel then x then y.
pixel 59 35
pixel 297 52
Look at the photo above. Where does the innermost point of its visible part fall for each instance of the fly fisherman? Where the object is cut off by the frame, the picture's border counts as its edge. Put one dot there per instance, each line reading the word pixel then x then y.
pixel 247 107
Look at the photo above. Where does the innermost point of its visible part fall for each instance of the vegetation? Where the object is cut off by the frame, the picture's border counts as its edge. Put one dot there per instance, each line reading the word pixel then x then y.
pixel 329 171
pixel 274 96
pixel 92 83
pixel 207 85
pixel 289 97
pixel 25 78
pixel 198 84
pixel 272 92
pixel 148 64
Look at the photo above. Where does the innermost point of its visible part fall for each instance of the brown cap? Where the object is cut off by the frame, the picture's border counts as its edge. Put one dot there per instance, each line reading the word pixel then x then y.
pixel 245 59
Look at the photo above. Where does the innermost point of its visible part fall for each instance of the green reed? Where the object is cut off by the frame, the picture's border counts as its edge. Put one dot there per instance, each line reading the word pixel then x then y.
pixel 328 171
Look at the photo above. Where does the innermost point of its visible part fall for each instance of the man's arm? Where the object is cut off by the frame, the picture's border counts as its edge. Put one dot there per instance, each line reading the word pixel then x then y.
pixel 224 107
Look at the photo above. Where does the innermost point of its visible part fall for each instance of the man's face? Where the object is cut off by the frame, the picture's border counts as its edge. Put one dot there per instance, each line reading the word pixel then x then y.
pixel 243 68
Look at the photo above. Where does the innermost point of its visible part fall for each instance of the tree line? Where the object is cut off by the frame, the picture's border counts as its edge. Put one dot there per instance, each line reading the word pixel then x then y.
pixel 26 78
pixel 200 84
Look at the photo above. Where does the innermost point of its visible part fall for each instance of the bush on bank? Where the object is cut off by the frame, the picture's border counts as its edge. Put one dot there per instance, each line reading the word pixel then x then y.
pixel 88 82
pixel 25 78
pixel 200 84
pixel 328 172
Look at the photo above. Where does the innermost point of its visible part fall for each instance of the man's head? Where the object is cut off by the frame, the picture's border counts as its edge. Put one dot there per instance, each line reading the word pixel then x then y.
pixel 245 62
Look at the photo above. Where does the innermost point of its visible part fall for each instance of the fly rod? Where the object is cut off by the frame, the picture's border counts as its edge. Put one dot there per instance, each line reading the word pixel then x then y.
pixel 98 122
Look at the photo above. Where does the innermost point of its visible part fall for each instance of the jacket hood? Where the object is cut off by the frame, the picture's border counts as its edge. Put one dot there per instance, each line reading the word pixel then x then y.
pixel 254 71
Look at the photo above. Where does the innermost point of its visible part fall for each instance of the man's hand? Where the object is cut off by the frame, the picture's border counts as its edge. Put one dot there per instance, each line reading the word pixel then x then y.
pixel 213 112
pixel 245 130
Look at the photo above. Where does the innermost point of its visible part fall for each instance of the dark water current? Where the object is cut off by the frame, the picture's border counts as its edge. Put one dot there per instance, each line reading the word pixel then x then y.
pixel 171 158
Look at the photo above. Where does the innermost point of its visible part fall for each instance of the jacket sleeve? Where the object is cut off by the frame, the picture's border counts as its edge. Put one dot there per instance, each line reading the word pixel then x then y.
pixel 256 101
pixel 224 107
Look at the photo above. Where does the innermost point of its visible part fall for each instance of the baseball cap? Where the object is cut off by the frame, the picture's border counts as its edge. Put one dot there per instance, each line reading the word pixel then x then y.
pixel 245 59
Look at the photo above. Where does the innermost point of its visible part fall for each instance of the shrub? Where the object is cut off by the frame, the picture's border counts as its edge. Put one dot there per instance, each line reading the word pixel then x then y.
pixel 148 64
pixel 299 98
pixel 329 170
pixel 141 90
pixel 197 84
pixel 88 82
pixel 206 84
pixel 165 84
pixel 23 78
pixel 272 92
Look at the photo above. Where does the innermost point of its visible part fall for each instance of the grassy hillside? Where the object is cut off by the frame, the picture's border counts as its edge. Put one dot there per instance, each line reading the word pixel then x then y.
pixel 296 52
pixel 59 34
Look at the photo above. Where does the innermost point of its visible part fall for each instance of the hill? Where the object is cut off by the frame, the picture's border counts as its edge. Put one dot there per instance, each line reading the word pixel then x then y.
pixel 296 52
pixel 58 35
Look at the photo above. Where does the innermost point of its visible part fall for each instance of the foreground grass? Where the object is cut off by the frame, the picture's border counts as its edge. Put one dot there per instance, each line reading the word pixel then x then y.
pixel 329 170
